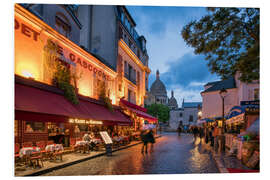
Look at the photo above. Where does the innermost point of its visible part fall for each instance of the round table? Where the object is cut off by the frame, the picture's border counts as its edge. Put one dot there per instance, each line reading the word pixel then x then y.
pixel 28 151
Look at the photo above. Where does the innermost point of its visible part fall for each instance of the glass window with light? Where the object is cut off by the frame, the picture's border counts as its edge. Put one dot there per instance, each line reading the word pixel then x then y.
pixel 256 94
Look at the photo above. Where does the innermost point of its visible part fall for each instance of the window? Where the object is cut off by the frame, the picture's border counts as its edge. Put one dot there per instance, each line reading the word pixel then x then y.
pixel 16 128
pixel 129 95
pixel 190 118
pixel 256 94
pixel 181 115
pixel 33 127
pixel 62 26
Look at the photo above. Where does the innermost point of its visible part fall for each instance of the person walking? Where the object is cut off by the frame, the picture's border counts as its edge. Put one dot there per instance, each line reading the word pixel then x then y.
pixel 195 133
pixel 201 133
pixel 216 138
pixel 179 130
pixel 151 139
pixel 144 139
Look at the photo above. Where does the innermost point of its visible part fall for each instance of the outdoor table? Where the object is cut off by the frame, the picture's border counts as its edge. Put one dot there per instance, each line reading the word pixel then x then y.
pixel 81 143
pixel 96 141
pixel 116 138
pixel 54 147
pixel 28 151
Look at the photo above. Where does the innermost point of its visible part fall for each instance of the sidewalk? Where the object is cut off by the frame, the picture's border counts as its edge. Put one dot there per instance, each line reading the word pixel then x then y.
pixel 225 162
pixel 68 159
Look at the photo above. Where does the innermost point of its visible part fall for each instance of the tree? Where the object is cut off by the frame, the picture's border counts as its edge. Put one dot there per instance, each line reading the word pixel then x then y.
pixel 229 39
pixel 159 110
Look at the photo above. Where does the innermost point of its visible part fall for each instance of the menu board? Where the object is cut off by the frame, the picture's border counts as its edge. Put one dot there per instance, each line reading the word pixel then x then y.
pixel 106 138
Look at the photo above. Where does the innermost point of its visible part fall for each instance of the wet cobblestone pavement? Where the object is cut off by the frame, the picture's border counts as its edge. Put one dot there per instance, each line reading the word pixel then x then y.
pixel 171 155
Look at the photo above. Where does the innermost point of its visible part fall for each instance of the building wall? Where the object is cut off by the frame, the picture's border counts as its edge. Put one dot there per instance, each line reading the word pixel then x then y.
pixel 175 119
pixel 125 54
pixel 48 12
pixel 104 40
pixel 31 35
pixel 246 91
pixel 84 15
pixel 190 112
pixel 212 103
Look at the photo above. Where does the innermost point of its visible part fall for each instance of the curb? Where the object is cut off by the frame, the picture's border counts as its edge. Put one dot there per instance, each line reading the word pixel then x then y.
pixel 220 165
pixel 44 171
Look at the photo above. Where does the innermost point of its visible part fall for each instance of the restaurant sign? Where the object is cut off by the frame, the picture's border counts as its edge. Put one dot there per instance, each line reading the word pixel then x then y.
pixel 33 35
pixel 243 103
pixel 84 121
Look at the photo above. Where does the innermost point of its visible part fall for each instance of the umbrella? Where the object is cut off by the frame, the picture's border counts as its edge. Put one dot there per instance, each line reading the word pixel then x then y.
pixel 148 126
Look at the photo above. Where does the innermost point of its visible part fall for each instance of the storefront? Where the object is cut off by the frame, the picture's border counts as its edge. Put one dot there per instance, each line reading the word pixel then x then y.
pixel 138 114
pixel 238 137
pixel 42 113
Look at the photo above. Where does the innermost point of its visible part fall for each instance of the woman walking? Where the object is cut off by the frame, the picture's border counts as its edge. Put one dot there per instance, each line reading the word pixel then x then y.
pixel 144 140
pixel 151 139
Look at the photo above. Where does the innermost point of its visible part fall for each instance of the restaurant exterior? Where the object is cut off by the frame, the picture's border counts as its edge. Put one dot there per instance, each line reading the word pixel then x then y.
pixel 42 110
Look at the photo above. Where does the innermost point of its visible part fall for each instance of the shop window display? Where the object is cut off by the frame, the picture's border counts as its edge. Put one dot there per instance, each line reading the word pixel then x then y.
pixel 35 127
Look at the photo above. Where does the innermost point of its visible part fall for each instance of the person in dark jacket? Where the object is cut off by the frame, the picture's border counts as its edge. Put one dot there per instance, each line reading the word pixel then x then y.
pixel 144 140
pixel 179 130
pixel 151 139
pixel 195 133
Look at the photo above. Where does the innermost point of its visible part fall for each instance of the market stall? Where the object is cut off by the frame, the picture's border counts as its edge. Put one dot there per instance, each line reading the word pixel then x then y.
pixel 242 133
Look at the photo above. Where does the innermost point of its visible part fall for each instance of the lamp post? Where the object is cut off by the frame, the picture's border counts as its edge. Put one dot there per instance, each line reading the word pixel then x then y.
pixel 223 93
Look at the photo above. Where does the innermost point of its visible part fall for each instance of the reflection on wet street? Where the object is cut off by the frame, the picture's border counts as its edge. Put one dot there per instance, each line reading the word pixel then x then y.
pixel 171 155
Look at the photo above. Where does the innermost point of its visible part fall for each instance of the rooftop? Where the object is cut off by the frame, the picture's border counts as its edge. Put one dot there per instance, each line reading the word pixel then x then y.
pixel 218 85
pixel 191 104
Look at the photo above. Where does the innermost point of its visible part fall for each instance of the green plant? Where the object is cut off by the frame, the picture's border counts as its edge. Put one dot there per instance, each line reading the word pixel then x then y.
pixel 159 110
pixel 61 79
pixel 103 97
pixel 60 75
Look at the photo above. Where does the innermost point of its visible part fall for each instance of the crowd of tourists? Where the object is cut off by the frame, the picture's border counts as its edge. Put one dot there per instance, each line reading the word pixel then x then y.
pixel 207 134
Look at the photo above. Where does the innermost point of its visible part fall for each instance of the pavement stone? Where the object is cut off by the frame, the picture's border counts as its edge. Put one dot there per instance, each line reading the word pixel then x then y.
pixel 68 159
pixel 224 160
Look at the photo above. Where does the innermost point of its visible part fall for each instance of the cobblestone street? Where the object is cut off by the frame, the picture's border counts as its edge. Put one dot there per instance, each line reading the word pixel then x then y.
pixel 172 155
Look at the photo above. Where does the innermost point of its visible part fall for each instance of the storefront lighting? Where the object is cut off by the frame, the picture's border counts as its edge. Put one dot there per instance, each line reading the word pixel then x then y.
pixel 84 121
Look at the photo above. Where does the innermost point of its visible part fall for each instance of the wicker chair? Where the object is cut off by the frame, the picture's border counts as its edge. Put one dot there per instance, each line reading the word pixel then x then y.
pixel 16 153
pixel 35 158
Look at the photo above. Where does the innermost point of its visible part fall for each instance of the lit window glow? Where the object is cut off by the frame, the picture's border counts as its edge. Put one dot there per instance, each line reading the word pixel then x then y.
pixel 27 74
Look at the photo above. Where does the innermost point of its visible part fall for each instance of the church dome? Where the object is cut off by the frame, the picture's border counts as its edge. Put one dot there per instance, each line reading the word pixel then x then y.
pixel 158 88
pixel 172 102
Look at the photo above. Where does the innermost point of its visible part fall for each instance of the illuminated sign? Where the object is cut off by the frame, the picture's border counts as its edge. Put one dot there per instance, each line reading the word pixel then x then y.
pixel 84 121
pixel 29 32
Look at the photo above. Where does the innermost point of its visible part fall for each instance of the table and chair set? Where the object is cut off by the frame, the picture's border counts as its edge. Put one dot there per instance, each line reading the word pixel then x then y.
pixel 34 155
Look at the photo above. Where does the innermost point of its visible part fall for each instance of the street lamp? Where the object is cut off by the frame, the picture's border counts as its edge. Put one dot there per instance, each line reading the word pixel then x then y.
pixel 223 93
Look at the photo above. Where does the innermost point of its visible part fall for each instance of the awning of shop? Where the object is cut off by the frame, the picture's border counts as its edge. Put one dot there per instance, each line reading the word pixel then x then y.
pixel 43 104
pixel 235 119
pixel 139 111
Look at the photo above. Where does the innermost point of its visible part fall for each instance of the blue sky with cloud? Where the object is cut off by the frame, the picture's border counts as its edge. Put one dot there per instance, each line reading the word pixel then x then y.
pixel 180 69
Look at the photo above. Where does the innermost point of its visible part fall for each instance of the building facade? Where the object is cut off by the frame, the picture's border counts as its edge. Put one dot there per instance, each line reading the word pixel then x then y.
pixel 237 92
pixel 49 39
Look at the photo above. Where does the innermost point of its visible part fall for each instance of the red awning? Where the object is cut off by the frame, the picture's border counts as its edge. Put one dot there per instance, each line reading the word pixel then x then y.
pixel 43 103
pixel 140 111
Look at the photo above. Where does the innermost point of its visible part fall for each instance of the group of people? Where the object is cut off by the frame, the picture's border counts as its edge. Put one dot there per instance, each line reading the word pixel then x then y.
pixel 88 137
pixel 208 134
pixel 147 136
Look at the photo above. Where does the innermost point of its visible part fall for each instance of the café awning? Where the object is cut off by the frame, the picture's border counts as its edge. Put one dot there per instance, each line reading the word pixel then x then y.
pixel 139 111
pixel 32 102
pixel 235 119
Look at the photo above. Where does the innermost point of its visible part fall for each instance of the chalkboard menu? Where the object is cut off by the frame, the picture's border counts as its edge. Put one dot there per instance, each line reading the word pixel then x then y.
pixel 106 138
